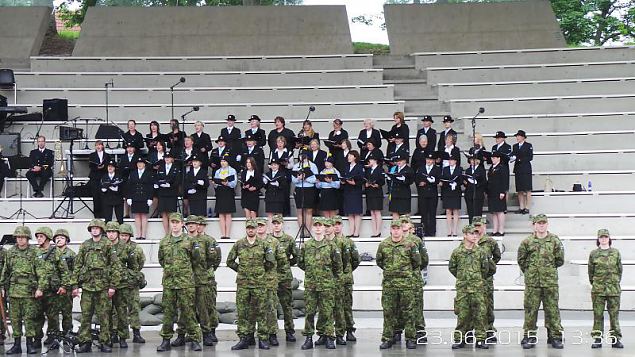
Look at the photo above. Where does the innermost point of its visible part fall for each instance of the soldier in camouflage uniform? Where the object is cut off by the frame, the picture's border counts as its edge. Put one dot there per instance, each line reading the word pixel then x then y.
pixel 97 271
pixel 471 267
pixel 285 277
pixel 252 259
pixel 605 274
pixel 539 257
pixel 322 264
pixel 214 259
pixel 133 266
pixel 59 284
pixel 490 246
pixel 399 259
pixel 350 261
pixel 65 301
pixel 3 252
pixel 23 281
pixel 177 255
pixel 320 326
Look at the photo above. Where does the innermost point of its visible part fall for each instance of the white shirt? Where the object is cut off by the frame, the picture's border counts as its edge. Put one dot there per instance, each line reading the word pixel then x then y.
pixel 140 172
pixel 250 173
pixel 100 155
pixel 428 169
pixel 167 168
pixel 196 170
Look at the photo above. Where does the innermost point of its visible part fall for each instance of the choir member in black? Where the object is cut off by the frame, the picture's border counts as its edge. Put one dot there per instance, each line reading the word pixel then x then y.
pixel 225 180
pixel 352 182
pixel 423 150
pixel 97 161
pixel 168 178
pixel 232 135
pixel 369 132
pixel 305 136
pixel 279 131
pixel 451 177
pixel 329 186
pixel 400 148
pixel 475 183
pixel 251 180
pixel 284 154
pixel 201 141
pixel 111 192
pixel 447 131
pixel 428 132
pixel 133 136
pixel 5 170
pixel 157 157
pixel 139 197
pixel 217 153
pixel 400 178
pixel 450 150
pixel 188 152
pixel 255 131
pixel 427 179
pixel 196 184
pixel 522 154
pixel 252 150
pixel 276 189
pixel 176 136
pixel 371 150
pixel 341 159
pixel 153 137
pixel 41 171
pixel 501 146
pixel 126 165
pixel 479 150
pixel 317 155
pixel 336 136
pixel 303 178
pixel 497 187
pixel 401 130
pixel 373 187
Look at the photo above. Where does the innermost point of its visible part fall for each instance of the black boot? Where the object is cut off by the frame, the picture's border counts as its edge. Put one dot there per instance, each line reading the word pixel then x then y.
pixel 263 345
pixel 411 344
pixel 617 344
pixel 114 338
pixel 597 343
pixel 136 336
pixel 179 341
pixel 243 344
pixel 321 341
pixel 421 337
pixel 308 343
pixel 396 338
pixel 30 347
pixel 330 343
pixel 456 346
pixel 481 345
pixel 350 336
pixel 37 344
pixel 84 348
pixel 16 348
pixel 491 337
pixel 557 344
pixel 105 348
pixel 123 343
pixel 273 340
pixel 251 340
pixel 164 346
pixel 386 344
pixel 212 335
pixel 49 339
pixel 339 340
pixel 195 346
pixel 528 342
pixel 290 337
pixel 207 340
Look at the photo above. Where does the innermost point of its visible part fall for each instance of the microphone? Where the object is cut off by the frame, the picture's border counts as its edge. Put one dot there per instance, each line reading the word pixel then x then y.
pixel 312 108
pixel 111 83
pixel 181 80
pixel 481 110
pixel 195 108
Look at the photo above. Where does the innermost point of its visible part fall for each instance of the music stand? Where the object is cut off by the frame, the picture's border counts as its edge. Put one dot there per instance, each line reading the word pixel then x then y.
pixel 20 163
pixel 108 132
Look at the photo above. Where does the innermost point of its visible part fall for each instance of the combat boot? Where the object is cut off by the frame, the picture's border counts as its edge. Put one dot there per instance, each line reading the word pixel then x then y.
pixel 179 341
pixel 617 344
pixel 49 339
pixel 597 343
pixel 557 344
pixel 212 335
pixel 386 345
pixel 396 338
pixel 456 346
pixel 195 346
pixel 104 348
pixel 136 336
pixel 84 348
pixel 290 337
pixel 37 344
pixel 491 337
pixel 273 340
pixel 330 343
pixel 339 340
pixel 16 348
pixel 251 340
pixel 30 347
pixel 308 343
pixel 263 345
pixel 320 341
pixel 164 346
pixel 482 345
pixel 528 342
pixel 114 338
pixel 411 344
pixel 207 340
pixel 123 343
pixel 243 344
pixel 350 336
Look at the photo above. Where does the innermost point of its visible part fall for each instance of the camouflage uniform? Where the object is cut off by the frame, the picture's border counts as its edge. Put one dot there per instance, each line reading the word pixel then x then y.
pixel 65 302
pixel 285 277
pixel 344 294
pixel 3 253
pixel 399 261
pixel 280 268
pixel 251 261
pixel 493 252
pixel 605 274
pixel 539 260
pixel 133 266
pixel 214 256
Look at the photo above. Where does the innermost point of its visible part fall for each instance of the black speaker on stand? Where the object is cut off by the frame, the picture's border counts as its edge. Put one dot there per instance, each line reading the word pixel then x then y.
pixel 56 109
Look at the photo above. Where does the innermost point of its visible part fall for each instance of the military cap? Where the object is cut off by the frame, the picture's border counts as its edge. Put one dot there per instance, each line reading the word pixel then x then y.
pixel 62 232
pixel 337 219
pixel 395 223
pixel 251 223
pixel 96 222
pixel 330 158
pixel 277 218
pixel 318 220
pixel 130 144
pixel 196 158
pixel 250 137
pixel 427 118
pixel 397 135
pixel 231 117
pixel 48 233
pixel 125 228
pixel 168 154
pixel 328 222
pixel 400 157
pixel 500 134
pixel 469 228
pixel 176 216
pixel 261 221
pixel 448 119
pixel 478 221
pixel 521 133
pixel 539 218
pixel 254 117
pixel 112 226
pixel 603 233
pixel 202 220
pixel 431 156
pixel 404 218
pixel 22 231
pixel 191 219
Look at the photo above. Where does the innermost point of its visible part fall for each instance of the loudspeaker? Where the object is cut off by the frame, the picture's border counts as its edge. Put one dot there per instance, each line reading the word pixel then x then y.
pixel 55 109
pixel 7 79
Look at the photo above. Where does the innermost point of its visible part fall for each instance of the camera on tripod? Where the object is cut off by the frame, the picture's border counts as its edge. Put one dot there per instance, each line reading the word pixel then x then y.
pixel 68 133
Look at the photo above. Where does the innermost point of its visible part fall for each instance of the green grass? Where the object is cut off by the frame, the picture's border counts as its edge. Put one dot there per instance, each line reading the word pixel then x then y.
pixel 374 48
pixel 68 34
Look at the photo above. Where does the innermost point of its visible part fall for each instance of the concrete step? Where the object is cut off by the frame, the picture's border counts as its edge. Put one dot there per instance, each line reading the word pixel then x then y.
pixel 410 91
pixel 406 72
pixel 425 107
pixel 384 61
pixel 488 124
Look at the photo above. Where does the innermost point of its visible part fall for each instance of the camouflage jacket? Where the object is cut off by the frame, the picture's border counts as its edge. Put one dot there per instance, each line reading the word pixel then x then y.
pixel 291 252
pixel 22 273
pixel 177 256
pixel 59 274
pixel 492 250
pixel 322 264
pixel 252 262
pixel 399 261
pixel 96 266
pixel 605 272
pixel 350 258
pixel 212 258
pixel 471 268
pixel 539 259
pixel 132 259
pixel 68 257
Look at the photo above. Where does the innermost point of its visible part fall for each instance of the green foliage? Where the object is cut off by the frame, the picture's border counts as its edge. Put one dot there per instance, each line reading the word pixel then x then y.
pixel 68 35
pixel 374 48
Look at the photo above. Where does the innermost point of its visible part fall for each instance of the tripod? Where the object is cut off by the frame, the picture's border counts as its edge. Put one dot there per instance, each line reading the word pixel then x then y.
pixel 303 231
pixel 68 211
pixel 21 212
pixel 474 148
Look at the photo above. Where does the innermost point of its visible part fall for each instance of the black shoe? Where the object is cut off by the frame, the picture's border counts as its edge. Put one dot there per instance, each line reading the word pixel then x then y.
pixel 456 346
pixel 179 341
pixel 549 340
pixel 396 338
pixel 339 340
pixel 55 345
pixel 308 343
pixel 263 345
pixel 16 348
pixel 251 340
pixel 114 338
pixel 37 343
pixel 84 348
pixel 421 337
pixel 386 345
pixel 243 344
pixel 273 340
pixel 350 337
pixel 491 337
pixel 49 339
pixel 207 340
pixel 482 345
pixel 557 344
pixel 212 336
pixel 123 343
pixel 525 211
pixel 617 344
pixel 290 337
pixel 597 343
pixel 136 336
pixel 105 348
pixel 411 344
pixel 519 211
pixel 376 235
pixel 321 341
pixel 30 347
pixel 469 339
pixel 330 343
pixel 528 342
pixel 195 346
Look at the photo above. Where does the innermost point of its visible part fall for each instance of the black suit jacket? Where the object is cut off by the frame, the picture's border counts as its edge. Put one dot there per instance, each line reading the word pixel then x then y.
pixel 363 157
pixel 429 189
pixel 261 137
pixel 319 159
pixel 524 155
pixel 257 154
pixel 506 150
pixel 362 138
pixel 498 179
pixel 93 163
pixel 44 158
pixel 111 197
pixel 191 182
pixel 419 157
pixel 234 140
pixel 202 142
pixel 274 134
pixel 404 132
pixel 376 177
pixel 431 135
pixel 141 188
pixel 136 139
pixel 401 189
pixel 277 193
pixel 456 176
pixel 343 135
pixel 215 156
pixel 126 166
pixel 172 177
pixel 480 176
pixel 441 142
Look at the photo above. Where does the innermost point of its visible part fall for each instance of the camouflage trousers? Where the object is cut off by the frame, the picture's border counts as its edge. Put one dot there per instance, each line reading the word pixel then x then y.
pixel 66 306
pixel 213 313
pixel 420 322
pixel 23 312
pixel 549 297
pixel 285 298
pixel 471 313
pixel 95 303
pixel 179 302
pixel 612 304
pixel 134 308
pixel 119 314
pixel 489 301
pixel 201 303
pixel 398 305
pixel 322 302
pixel 252 302
pixel 344 310
pixel 271 311
pixel 49 308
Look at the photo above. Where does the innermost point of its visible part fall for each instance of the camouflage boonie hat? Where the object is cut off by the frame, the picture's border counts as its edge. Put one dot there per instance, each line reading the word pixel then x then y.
pixel 175 216
pixel 251 223
pixel 202 221
pixel 22 231
pixel 261 221
pixel 125 228
pixel 603 232
pixel 337 219
pixel 112 226
pixel 469 229
pixel 191 219
pixel 328 222
pixel 62 232
pixel 97 223
pixel 404 218
pixel 539 218
pixel 48 233
pixel 478 221
pixel 395 223
pixel 277 218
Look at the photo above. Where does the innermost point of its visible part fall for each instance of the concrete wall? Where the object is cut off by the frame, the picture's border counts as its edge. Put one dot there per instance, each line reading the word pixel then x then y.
pixel 472 26
pixel 22 31
pixel 198 31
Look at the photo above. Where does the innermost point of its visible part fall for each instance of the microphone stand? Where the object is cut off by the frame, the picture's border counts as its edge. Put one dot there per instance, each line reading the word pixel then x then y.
pixel 107 91
pixel 473 123
pixel 303 231
pixel 182 155
pixel 181 80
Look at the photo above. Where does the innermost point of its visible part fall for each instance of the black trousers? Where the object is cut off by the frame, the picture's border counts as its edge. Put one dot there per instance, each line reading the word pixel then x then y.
pixel 107 209
pixel 428 210
pixel 44 176
pixel 98 207
pixel 474 204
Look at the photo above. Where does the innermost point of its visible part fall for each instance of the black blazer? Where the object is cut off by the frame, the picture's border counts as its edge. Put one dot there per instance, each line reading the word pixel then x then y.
pixel 404 132
pixel 173 178
pixel 429 189
pixel 432 137
pixel 506 150
pixel 215 156
pixel 524 155
pixel 274 134
pixel 480 176
pixel 202 142
pixel 257 154
pixel 141 188
pixel 285 156
pixel 419 157
pixel 261 137
pixel 44 158
pixel 441 142
pixel 456 152
pixel 151 143
pixel 362 138
pixel 498 179
pixel 393 151
pixel 175 140
pixel 277 193
pixel 456 176
pixel 126 166
pixel 257 180
pixel 319 159
pixel 111 197
pixel 191 181
pixel 376 177
pixel 401 189
pixel 363 157
pixel 136 139
pixel 234 140
pixel 343 135
pixel 358 173
pixel 153 158
pixel 94 164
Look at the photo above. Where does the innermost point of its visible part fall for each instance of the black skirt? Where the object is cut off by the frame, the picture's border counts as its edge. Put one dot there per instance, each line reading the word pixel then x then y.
pixel 523 182
pixel 451 202
pixel 198 207
pixel 374 199
pixel 304 197
pixel 250 200
pixel 167 204
pixel 400 205
pixel 495 204
pixel 225 200
pixel 139 207
pixel 353 203
pixel 329 200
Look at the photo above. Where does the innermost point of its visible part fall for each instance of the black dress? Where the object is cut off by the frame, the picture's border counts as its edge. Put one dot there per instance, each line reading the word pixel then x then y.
pixel 352 194
pixel 475 194
pixel 451 197
pixel 167 193
pixel 497 183
pixel 329 199
pixel 522 166
pixel 399 190
pixel 226 195
pixel 140 190
pixel 196 191
pixel 276 191
pixel 250 199
pixel 375 195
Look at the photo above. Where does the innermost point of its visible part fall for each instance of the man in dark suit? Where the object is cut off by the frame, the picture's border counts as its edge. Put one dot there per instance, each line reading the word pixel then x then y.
pixel 42 161
pixel 254 130
pixel 97 162
pixel 522 154
pixel 427 179
pixel 133 136
pixel 447 123
pixel 502 147
pixel 428 131
pixel 232 135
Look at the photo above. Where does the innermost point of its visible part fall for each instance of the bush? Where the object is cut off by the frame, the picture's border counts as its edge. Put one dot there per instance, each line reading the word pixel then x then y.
pixel 374 48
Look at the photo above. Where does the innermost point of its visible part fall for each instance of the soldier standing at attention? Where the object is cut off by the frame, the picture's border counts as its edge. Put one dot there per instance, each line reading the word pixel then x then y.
pixel 605 274
pixel 285 277
pixel 251 258
pixel 213 262
pixel 539 257
pixel 65 301
pixel 350 261
pixel 177 254
pixel 96 270
pixel 23 281
pixel 493 252
pixel 136 280
pixel 3 253
pixel 399 259
pixel 322 264
pixel 119 308
pixel 329 235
